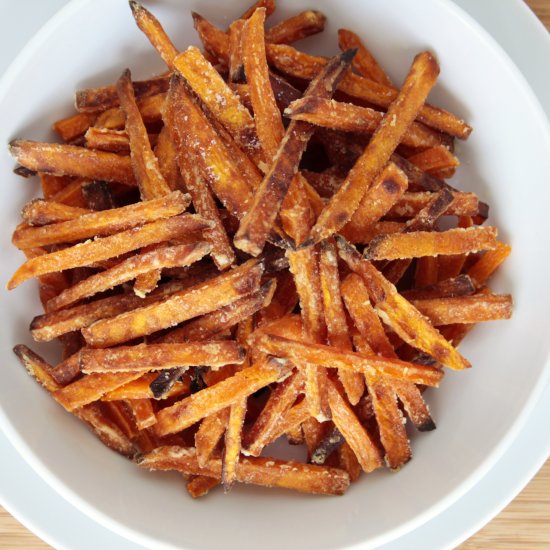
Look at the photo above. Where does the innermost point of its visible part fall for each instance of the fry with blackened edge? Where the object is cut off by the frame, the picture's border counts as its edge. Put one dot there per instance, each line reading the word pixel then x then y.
pixel 301 25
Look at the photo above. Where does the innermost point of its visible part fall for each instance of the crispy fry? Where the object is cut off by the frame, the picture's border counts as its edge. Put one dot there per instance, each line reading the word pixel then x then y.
pixel 103 139
pixel 180 306
pixel 147 357
pixel 209 434
pixel 435 159
pixel 150 109
pixel 101 99
pixel 364 61
pixel 203 200
pixel 36 367
pixel 266 471
pixel 233 434
pixel 298 64
pixel 408 206
pixel 417 244
pixel 43 212
pixel 109 247
pixel 214 40
pixel 385 191
pixel 47 327
pixel 426 271
pixel 165 152
pixel 301 353
pixel 144 414
pixel 354 433
pixel 482 270
pixel 297 214
pixel 210 400
pixel 465 309
pixel 74 126
pixel 335 317
pixel 280 401
pixel 144 163
pixel 269 6
pixel 347 117
pixel 284 299
pixel 221 319
pixel 199 486
pixel 257 223
pixel 71 194
pixel 267 116
pixel 224 104
pixel 400 314
pixel 235 61
pixel 141 389
pixel 52 185
pixel 91 388
pixel 447 288
pixel 151 27
pixel 122 416
pixel 92 224
pixel 69 160
pixel 401 113
pixel 302 25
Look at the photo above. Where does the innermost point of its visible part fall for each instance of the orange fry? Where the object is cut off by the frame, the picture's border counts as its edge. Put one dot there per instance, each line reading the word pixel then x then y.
pixel 269 6
pixel 408 206
pixel 233 434
pixel 144 162
pixel 302 25
pixel 267 116
pixel 144 414
pixel 150 109
pixel 199 486
pixel 74 126
pixel 354 433
pixel 209 434
pixel 364 61
pixel 435 160
pixel 235 61
pixel 256 225
pixel 109 247
pixel 70 160
pixel 482 270
pixel 44 212
pixel 401 113
pixel 348 117
pixel 399 314
pixel 93 224
pixel 104 139
pixel 147 357
pixel 266 471
pixel 191 409
pixel 417 244
pixel 165 152
pixel 180 306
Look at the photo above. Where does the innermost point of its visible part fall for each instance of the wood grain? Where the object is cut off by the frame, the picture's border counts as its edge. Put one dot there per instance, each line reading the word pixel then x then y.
pixel 525 523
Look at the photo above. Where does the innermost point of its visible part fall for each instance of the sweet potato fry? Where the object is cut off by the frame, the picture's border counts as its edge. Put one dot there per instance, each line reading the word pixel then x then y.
pixel 482 270
pixel 447 288
pixel 354 433
pixel 74 126
pixel 210 154
pixel 300 65
pixel 267 116
pixel 103 139
pixel 226 317
pixel 92 100
pixel 364 61
pixel 335 318
pixel 233 437
pixel 165 151
pixel 144 414
pixel 408 206
pixel 71 194
pixel 435 159
pixel 269 6
pixel 301 353
pixel 302 25
pixel 235 60
pixel 284 299
pixel 91 388
pixel 398 313
pixel 186 412
pixel 347 117
pixel 401 113
pixel 266 471
pixel 122 416
pixel 417 244
pixel 426 271
pixel 109 247
pixel 150 181
pixel 209 434
pixel 257 223
pixel 39 369
pixel 43 212
pixel 70 160
pixel 51 325
pixel 465 309
pixel 150 109
pixel 147 357
pixel 203 200
pixel 180 306
pixel 280 401
pixel 297 214
pixel 385 191
pixel 215 41
pixel 141 389
pixel 151 27
pixel 92 224
pixel 199 486
pixel 223 103
pixel 52 185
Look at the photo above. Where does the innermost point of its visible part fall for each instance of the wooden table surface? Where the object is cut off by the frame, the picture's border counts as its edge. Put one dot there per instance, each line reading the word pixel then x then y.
pixel 524 524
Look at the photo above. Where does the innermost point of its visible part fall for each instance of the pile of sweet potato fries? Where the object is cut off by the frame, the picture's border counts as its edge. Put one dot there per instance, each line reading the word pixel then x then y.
pixel 250 246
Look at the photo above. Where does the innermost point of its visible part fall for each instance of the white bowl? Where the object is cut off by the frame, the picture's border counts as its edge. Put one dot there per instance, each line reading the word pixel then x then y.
pixel 478 412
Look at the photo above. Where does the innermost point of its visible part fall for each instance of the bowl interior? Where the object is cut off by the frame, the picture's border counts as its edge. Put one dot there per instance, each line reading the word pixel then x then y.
pixel 477 412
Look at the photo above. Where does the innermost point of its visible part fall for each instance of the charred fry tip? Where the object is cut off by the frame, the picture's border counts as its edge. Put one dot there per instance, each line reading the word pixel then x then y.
pixel 20 350
pixel 126 75
pixel 135 6
pixel 267 290
pixel 348 55
pixel 197 18
pixel 306 244
pixel 24 172
pixel 13 144
pixel 427 426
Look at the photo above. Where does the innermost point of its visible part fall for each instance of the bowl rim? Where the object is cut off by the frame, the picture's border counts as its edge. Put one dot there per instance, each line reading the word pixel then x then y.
pixel 10 78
